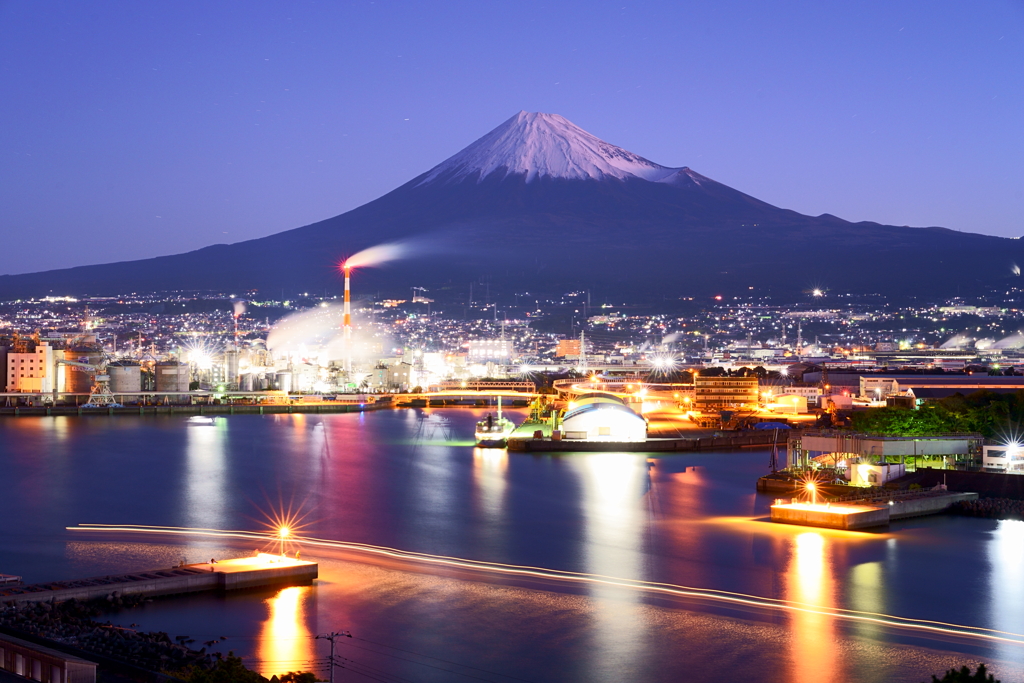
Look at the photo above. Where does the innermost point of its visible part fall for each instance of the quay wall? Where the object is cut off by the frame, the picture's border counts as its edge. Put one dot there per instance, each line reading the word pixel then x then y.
pixel 742 440
pixel 188 579
pixel 915 507
pixel 834 518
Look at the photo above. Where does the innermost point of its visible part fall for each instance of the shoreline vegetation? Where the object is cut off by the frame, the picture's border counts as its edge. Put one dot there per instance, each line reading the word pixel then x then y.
pixel 73 626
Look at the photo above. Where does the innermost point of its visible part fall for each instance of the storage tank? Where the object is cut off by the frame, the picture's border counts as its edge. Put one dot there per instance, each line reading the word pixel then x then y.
pixel 125 377
pixel 231 367
pixel 284 381
pixel 247 382
pixel 172 376
pixel 79 380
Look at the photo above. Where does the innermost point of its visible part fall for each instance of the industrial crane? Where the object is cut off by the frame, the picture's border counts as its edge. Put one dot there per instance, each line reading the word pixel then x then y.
pixel 100 395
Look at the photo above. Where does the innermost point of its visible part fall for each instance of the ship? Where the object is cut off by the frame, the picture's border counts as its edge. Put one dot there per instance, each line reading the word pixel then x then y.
pixel 493 432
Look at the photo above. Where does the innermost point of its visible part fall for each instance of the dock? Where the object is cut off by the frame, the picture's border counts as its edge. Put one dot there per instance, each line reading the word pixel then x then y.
pixel 260 571
pixel 865 513
pixel 707 443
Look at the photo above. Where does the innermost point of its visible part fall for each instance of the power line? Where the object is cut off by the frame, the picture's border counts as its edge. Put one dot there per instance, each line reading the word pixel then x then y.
pixel 438 659
pixel 331 637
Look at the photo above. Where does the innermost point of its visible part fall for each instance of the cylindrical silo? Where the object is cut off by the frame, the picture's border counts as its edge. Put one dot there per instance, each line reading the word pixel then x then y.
pixel 284 380
pixel 79 380
pixel 125 377
pixel 172 376
pixel 247 382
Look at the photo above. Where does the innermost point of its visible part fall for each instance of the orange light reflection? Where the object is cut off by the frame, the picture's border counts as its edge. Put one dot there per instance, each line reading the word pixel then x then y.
pixel 285 642
pixel 810 582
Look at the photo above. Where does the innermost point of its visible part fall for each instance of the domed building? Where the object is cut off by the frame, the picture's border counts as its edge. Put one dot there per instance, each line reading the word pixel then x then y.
pixel 602 417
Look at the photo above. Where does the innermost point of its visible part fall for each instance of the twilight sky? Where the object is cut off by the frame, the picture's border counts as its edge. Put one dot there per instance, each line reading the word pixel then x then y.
pixel 135 129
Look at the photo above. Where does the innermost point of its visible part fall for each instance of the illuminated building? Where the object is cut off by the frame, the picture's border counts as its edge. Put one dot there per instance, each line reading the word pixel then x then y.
pixel 602 417
pixel 714 393
pixel 567 347
pixel 490 349
pixel 31 371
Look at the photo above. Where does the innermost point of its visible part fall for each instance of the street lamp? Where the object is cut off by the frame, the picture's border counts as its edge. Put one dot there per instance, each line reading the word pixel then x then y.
pixel 813 490
pixel 284 532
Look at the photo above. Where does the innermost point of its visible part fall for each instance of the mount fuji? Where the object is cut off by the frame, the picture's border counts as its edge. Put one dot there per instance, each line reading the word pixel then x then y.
pixel 538 204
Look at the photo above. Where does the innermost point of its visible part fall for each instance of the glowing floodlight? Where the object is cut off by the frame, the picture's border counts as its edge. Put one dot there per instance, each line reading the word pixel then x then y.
pixel 284 532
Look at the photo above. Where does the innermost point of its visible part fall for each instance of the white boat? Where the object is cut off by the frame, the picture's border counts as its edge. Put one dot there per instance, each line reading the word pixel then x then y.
pixel 493 432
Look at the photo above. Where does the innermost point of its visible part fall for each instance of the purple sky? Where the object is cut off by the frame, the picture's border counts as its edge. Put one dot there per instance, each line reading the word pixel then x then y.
pixel 134 129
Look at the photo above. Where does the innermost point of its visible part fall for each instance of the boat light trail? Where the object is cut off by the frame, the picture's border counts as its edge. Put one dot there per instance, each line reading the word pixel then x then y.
pixel 729 597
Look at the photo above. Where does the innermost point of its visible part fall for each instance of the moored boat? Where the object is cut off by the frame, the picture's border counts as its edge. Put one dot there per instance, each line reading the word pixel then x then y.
pixel 493 431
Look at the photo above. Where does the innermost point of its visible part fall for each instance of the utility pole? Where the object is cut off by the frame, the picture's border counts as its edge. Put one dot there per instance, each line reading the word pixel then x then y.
pixel 581 363
pixel 331 637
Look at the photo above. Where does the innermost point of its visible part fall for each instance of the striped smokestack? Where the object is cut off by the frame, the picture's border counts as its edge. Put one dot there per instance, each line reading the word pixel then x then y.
pixel 347 322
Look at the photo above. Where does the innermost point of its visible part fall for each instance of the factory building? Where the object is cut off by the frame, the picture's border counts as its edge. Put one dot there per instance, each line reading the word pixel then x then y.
pixel 811 395
pixel 32 371
pixel 879 387
pixel 481 350
pixel 717 393
pixel 395 376
pixel 602 417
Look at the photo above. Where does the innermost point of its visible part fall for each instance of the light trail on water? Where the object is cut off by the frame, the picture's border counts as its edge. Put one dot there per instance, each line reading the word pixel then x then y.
pixel 653 587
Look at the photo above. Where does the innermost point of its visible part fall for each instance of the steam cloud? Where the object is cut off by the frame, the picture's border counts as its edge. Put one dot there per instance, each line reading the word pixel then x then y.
pixel 392 251
pixel 316 332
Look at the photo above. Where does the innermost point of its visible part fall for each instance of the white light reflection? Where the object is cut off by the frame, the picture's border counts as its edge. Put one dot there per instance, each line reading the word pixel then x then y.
pixel 614 515
pixel 286 643
pixel 490 466
pixel 813 655
pixel 866 587
pixel 1006 587
pixel 205 477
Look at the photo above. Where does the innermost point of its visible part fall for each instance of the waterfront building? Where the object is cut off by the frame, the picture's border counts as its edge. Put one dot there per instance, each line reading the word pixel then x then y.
pixel 602 417
pixel 32 371
pixel 1006 459
pixel 717 393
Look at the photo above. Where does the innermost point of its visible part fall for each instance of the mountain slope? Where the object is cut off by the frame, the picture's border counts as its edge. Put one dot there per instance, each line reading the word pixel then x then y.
pixel 539 204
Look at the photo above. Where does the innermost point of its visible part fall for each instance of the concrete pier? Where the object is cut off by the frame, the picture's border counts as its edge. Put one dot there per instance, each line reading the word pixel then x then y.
pixel 848 517
pixel 864 514
pixel 653 445
pixel 246 572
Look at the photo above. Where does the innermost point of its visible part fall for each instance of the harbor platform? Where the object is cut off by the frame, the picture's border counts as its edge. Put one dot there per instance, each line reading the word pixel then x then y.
pixel 548 445
pixel 260 571
pixel 866 513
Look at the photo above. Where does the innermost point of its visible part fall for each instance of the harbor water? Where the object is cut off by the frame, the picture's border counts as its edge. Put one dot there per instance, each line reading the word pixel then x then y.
pixel 411 480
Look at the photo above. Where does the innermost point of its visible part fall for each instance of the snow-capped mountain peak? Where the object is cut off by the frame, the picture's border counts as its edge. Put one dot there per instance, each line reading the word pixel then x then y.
pixel 545 145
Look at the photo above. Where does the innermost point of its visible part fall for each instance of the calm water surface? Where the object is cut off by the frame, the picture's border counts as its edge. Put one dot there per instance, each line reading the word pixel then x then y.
pixel 411 479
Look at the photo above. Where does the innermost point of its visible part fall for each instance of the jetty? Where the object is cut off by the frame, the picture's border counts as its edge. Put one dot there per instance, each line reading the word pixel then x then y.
pixel 547 444
pixel 866 511
pixel 260 571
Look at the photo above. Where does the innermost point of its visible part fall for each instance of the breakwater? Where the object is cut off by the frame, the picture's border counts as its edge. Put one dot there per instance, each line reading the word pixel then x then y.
pixel 990 508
